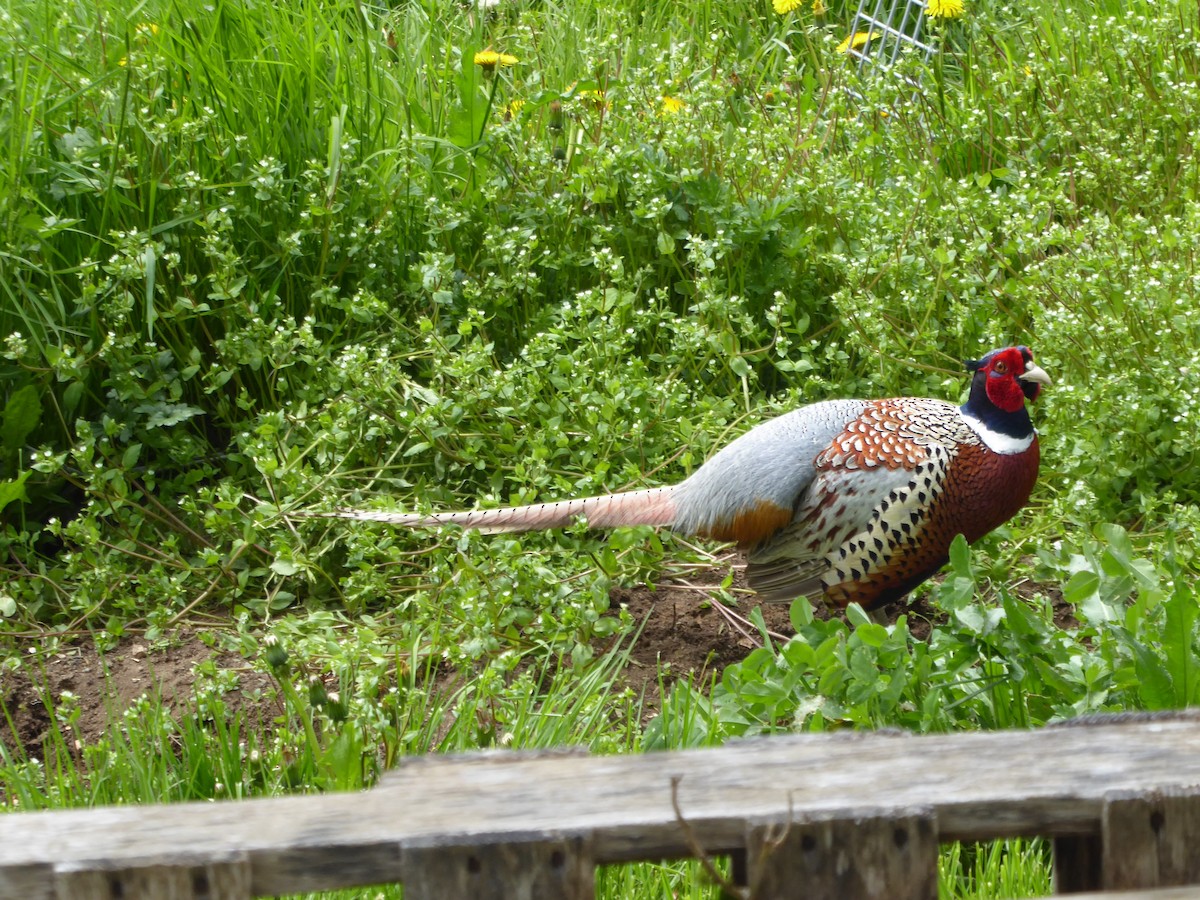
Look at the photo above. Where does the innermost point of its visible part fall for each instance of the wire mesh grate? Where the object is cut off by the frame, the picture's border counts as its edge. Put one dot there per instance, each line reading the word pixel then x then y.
pixel 891 26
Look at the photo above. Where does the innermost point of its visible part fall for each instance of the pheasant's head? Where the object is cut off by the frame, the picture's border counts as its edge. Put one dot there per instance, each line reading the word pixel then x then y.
pixel 1007 377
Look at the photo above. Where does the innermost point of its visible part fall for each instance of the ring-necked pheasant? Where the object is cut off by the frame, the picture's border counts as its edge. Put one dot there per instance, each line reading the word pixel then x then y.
pixel 855 500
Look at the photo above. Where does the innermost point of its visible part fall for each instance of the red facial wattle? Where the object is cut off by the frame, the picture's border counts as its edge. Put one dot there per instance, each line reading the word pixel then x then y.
pixel 1002 385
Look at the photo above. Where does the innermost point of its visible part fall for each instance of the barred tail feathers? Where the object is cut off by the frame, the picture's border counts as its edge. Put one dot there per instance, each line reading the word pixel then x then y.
pixel 654 506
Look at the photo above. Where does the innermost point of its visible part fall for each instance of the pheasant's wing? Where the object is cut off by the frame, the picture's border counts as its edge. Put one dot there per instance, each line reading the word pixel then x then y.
pixel 839 504
pixel 786 577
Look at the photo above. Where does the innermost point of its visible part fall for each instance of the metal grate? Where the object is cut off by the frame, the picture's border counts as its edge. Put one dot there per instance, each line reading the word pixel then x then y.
pixel 893 25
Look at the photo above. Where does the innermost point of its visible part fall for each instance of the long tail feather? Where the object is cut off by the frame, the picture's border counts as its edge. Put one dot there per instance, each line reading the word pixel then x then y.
pixel 650 507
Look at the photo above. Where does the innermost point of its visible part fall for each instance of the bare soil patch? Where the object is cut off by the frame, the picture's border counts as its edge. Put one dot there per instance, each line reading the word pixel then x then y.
pixel 685 634
pixel 107 684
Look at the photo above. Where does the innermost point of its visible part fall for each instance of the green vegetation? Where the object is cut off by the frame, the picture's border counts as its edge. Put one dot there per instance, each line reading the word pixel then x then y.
pixel 260 258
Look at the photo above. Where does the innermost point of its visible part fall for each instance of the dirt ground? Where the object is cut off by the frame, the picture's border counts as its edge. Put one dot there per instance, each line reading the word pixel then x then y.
pixel 108 684
pixel 685 632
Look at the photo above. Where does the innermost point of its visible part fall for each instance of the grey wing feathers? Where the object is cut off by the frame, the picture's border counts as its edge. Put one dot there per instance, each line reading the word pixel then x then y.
pixel 783 580
pixel 782 569
pixel 772 462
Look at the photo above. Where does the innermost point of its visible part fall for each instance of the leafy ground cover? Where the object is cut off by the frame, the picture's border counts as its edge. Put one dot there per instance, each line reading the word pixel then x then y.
pixel 261 258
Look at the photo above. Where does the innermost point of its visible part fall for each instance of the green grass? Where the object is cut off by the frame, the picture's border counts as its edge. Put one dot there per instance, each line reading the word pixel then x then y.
pixel 256 258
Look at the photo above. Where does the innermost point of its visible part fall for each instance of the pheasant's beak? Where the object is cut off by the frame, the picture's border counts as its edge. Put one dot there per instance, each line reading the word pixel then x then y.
pixel 1034 373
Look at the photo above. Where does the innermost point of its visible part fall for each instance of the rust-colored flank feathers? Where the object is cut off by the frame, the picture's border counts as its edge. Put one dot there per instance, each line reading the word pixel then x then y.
pixel 748 526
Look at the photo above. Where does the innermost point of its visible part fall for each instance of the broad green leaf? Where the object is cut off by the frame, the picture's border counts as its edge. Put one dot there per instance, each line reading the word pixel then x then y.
pixel 164 415
pixel 13 489
pixel 282 600
pixel 284 567
pixel 871 633
pixel 1178 641
pixel 72 395
pixel 855 615
pixel 797 654
pixel 956 592
pixel 899 680
pixel 1081 587
pixel 1118 548
pixel 830 650
pixel 1096 612
pixel 151 314
pixel 756 618
pixel 1154 682
pixel 1053 678
pixel 960 557
pixel 1020 618
pixel 1145 574
pixel 21 415
pixel 832 680
pixel 800 613
pixel 971 618
pixel 130 457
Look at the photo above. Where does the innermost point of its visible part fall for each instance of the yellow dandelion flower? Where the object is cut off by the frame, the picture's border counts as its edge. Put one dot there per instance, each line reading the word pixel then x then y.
pixel 783 7
pixel 943 9
pixel 856 40
pixel 593 98
pixel 819 8
pixel 513 109
pixel 147 28
pixel 671 105
pixel 489 59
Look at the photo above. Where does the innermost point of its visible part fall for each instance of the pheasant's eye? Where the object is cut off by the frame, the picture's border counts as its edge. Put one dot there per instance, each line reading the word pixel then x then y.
pixel 1001 367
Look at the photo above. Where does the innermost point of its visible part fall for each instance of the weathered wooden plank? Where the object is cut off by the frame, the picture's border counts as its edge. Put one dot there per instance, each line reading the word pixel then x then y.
pixel 227 880
pixel 153 883
pixel 292 867
pixel 979 785
pixel 34 882
pixel 1147 840
pixel 1077 863
pixel 1150 840
pixel 91 884
pixel 1174 893
pixel 863 855
pixel 527 870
